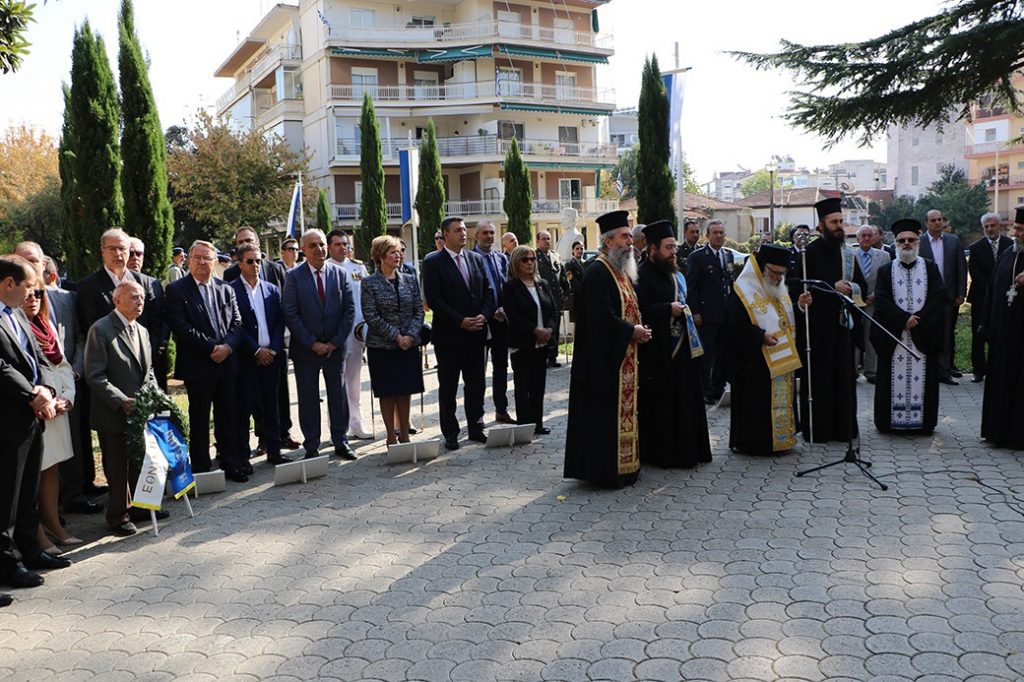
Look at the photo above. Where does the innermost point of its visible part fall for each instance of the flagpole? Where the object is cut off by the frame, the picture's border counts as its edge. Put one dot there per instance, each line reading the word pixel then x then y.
pixel 302 217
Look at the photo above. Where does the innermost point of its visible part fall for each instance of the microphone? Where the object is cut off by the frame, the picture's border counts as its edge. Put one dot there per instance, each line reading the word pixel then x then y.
pixel 817 282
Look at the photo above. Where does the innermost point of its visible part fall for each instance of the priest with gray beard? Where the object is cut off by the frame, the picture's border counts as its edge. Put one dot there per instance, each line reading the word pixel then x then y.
pixel 602 444
pixel 909 299
pixel 1002 410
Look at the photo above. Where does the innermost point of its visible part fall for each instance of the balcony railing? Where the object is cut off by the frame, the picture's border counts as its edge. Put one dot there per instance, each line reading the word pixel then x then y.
pixel 350 212
pixel 272 59
pixel 489 145
pixel 489 207
pixel 1005 182
pixel 992 147
pixel 293 109
pixel 237 89
pixel 586 206
pixel 505 90
pixel 475 32
pixel 473 207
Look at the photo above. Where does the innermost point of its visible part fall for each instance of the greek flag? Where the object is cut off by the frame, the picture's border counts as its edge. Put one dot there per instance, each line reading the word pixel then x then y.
pixel 618 184
pixel 293 211
pixel 323 19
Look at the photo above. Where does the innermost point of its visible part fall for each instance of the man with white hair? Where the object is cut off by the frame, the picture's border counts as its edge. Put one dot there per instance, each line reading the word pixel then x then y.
pixel 909 302
pixel 1002 410
pixel 602 442
pixel 639 243
pixel 509 241
pixel 871 261
pixel 982 261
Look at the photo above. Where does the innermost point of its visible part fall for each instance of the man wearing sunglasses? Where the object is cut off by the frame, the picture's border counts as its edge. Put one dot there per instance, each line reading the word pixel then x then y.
pixel 259 304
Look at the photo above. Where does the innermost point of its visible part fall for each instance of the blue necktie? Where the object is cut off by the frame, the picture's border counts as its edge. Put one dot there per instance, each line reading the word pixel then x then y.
pixel 865 261
pixel 23 340
pixel 492 271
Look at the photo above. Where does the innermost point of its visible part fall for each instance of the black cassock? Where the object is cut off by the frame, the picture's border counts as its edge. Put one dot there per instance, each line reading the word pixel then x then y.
pixel 750 415
pixel 602 340
pixel 1002 410
pixel 927 338
pixel 832 367
pixel 673 424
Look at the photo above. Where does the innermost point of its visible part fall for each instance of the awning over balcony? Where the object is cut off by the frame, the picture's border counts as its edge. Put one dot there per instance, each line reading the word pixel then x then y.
pixel 555 109
pixel 240 55
pixel 390 53
pixel 567 164
pixel 453 54
pixel 562 55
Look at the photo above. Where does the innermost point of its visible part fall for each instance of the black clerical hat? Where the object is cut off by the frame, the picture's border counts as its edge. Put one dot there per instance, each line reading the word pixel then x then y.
pixel 1019 217
pixel 613 221
pixel 906 225
pixel 658 230
pixel 770 254
pixel 827 207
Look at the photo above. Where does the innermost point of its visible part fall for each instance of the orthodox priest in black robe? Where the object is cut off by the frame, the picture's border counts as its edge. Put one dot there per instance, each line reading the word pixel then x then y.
pixel 909 300
pixel 673 423
pixel 761 343
pixel 1002 410
pixel 602 443
pixel 834 330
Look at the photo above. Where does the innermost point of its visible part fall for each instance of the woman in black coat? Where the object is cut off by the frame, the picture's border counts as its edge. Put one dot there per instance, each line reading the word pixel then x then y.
pixel 529 310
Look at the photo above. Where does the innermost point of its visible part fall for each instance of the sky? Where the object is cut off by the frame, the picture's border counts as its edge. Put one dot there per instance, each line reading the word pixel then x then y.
pixel 731 116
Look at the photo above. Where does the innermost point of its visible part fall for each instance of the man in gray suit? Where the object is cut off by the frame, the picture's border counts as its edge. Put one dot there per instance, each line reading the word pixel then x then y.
pixel 871 260
pixel 946 251
pixel 118 362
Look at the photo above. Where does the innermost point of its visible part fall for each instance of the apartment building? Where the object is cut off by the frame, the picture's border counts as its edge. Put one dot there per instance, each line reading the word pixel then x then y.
pixel 916 155
pixel 995 154
pixel 485 71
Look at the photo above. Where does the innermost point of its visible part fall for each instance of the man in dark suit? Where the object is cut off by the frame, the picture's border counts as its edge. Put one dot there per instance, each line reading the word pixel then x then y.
pixel 273 272
pixel 946 251
pixel 319 310
pixel 259 304
pixel 95 300
pixel 457 290
pixel 551 270
pixel 118 361
pixel 691 235
pixel 496 268
pixel 709 285
pixel 982 261
pixel 207 330
pixel 28 400
pixel 161 333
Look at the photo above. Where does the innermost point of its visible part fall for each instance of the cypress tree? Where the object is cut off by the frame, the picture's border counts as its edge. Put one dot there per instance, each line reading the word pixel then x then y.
pixel 96 155
pixel 518 194
pixel 373 209
pixel 69 206
pixel 323 212
pixel 430 196
pixel 147 210
pixel 655 187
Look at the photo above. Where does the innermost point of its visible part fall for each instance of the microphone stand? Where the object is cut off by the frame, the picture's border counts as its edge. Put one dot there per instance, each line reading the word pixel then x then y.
pixel 852 455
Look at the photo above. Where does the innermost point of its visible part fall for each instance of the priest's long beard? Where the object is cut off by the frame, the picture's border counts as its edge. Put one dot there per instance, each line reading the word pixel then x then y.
pixel 833 238
pixel 908 256
pixel 776 291
pixel 1018 244
pixel 668 266
pixel 622 260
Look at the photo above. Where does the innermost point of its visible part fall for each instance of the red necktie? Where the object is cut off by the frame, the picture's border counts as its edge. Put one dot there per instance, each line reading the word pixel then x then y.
pixel 320 288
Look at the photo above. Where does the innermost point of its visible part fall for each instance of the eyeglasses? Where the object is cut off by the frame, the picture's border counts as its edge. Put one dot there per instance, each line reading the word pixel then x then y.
pixel 253 261
pixel 290 248
pixel 38 293
pixel 528 259
pixel 122 249
pixel 906 240
pixel 136 253
pixel 202 259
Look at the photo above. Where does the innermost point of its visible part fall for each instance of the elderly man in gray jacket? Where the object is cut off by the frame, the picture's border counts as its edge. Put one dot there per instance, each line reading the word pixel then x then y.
pixel 118 362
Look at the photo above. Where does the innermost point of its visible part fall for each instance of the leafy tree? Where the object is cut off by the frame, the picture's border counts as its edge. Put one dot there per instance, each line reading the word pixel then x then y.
pixel 36 217
pixel 518 194
pixel 909 75
pixel 187 228
pixel 373 210
pixel 225 177
pixel 147 210
pixel 69 201
pixel 949 175
pixel 655 187
pixel 94 153
pixel 430 195
pixel 15 17
pixel 323 211
pixel 28 161
pixel 760 181
pixel 884 215
pixel 961 203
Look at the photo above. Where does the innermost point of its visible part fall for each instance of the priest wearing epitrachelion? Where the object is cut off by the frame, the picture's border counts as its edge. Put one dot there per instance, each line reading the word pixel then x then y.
pixel 1002 411
pixel 909 300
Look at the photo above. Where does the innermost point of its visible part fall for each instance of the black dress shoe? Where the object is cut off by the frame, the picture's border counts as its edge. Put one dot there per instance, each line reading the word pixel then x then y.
pixel 870 380
pixel 310 454
pixel 142 515
pixel 93 490
pixel 41 561
pixel 290 443
pixel 246 469
pixel 451 444
pixel 124 529
pixel 412 431
pixel 235 474
pixel 554 363
pixel 343 451
pixel 277 459
pixel 977 378
pixel 6 600
pixel 949 381
pixel 503 417
pixel 20 577
pixel 477 436
pixel 957 374
pixel 83 506
pixel 541 431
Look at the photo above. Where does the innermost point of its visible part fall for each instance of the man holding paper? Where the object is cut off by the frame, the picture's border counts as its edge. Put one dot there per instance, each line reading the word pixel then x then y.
pixel 118 362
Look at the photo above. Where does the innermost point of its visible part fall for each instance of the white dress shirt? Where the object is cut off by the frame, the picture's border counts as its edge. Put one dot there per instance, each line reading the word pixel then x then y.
pixel 133 332
pixel 256 301
pixel 938 254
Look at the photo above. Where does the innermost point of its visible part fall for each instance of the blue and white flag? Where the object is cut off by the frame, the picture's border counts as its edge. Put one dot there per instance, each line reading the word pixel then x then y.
pixel 293 211
pixel 323 19
pixel 166 460
pixel 675 87
pixel 618 183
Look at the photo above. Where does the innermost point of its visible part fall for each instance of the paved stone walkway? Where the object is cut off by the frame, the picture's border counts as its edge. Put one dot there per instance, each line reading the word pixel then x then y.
pixel 486 565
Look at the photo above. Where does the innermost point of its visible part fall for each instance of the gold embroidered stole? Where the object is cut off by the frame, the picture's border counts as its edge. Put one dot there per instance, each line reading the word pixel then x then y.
pixel 628 437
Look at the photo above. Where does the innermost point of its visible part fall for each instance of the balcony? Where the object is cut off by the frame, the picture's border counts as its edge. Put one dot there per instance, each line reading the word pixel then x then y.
pixel 350 212
pixel 288 109
pixel 391 35
pixel 282 54
pixel 1005 182
pixel 584 206
pixel 986 148
pixel 237 89
pixel 527 94
pixel 490 146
